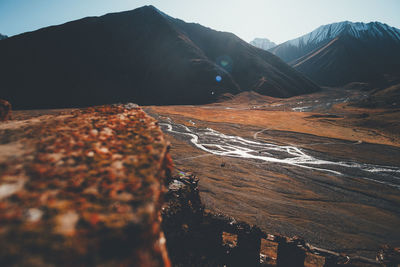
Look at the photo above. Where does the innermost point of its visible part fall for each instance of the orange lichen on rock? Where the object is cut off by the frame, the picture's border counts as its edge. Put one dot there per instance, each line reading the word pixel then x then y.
pixel 86 191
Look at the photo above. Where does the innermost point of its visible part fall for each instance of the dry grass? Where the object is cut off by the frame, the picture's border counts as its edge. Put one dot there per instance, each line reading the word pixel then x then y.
pixel 300 122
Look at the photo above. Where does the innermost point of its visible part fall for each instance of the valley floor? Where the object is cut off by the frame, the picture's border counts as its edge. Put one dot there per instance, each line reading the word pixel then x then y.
pixel 330 173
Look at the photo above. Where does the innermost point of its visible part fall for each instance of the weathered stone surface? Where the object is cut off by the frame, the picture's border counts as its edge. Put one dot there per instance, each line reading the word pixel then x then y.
pixel 269 251
pixel 5 110
pixel 83 189
pixel 313 260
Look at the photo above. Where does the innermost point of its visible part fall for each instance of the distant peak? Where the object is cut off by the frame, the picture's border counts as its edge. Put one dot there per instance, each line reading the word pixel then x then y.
pixel 154 9
pixel 262 39
pixel 148 7
pixel 263 43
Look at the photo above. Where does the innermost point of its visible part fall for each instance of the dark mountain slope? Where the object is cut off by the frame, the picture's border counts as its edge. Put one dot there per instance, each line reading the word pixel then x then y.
pixel 341 61
pixel 142 56
pixel 252 68
pixel 2 36
pixel 129 56
pixel 341 53
pixel 347 59
pixel 386 98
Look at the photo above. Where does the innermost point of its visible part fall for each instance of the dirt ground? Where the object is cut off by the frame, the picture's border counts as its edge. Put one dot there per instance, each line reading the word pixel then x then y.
pixel 348 213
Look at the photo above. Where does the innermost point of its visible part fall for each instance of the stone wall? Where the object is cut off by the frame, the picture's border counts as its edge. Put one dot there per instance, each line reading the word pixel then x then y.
pixel 196 237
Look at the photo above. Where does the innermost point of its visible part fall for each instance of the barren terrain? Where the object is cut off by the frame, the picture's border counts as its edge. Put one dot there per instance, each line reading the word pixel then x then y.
pixel 313 166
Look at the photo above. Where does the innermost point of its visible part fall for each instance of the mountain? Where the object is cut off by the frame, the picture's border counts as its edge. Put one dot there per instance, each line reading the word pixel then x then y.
pixel 2 36
pixel 263 43
pixel 340 53
pixel 143 56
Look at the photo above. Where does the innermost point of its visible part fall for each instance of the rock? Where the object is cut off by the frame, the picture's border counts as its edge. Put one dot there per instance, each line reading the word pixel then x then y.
pixel 5 110
pixel 131 106
pixel 88 194
pixel 389 256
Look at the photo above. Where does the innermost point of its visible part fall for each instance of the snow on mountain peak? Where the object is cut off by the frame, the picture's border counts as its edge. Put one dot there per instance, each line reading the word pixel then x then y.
pixel 355 29
pixel 263 43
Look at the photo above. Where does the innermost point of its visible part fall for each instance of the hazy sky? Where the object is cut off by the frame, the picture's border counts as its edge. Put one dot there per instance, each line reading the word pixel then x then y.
pixel 278 20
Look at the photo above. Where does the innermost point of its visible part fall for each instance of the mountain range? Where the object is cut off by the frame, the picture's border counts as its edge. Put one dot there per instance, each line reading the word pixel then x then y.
pixel 143 56
pixel 344 52
pixel 2 36
pixel 263 43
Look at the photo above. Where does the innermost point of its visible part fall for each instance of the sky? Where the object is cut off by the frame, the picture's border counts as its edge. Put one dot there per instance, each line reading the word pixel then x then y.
pixel 277 20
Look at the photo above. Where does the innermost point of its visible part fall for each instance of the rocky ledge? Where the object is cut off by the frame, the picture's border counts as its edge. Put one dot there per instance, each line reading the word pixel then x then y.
pixel 198 237
pixel 83 188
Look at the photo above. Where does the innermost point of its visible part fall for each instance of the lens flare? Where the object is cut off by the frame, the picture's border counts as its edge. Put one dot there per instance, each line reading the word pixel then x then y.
pixel 225 62
pixel 218 78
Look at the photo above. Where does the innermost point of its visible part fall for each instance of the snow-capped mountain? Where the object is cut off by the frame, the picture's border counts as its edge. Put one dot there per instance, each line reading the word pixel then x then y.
pixel 343 52
pixel 298 47
pixel 263 43
pixel 356 29
pixel 2 36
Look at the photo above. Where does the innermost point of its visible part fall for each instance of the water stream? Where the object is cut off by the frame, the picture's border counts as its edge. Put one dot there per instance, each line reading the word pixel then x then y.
pixel 220 144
